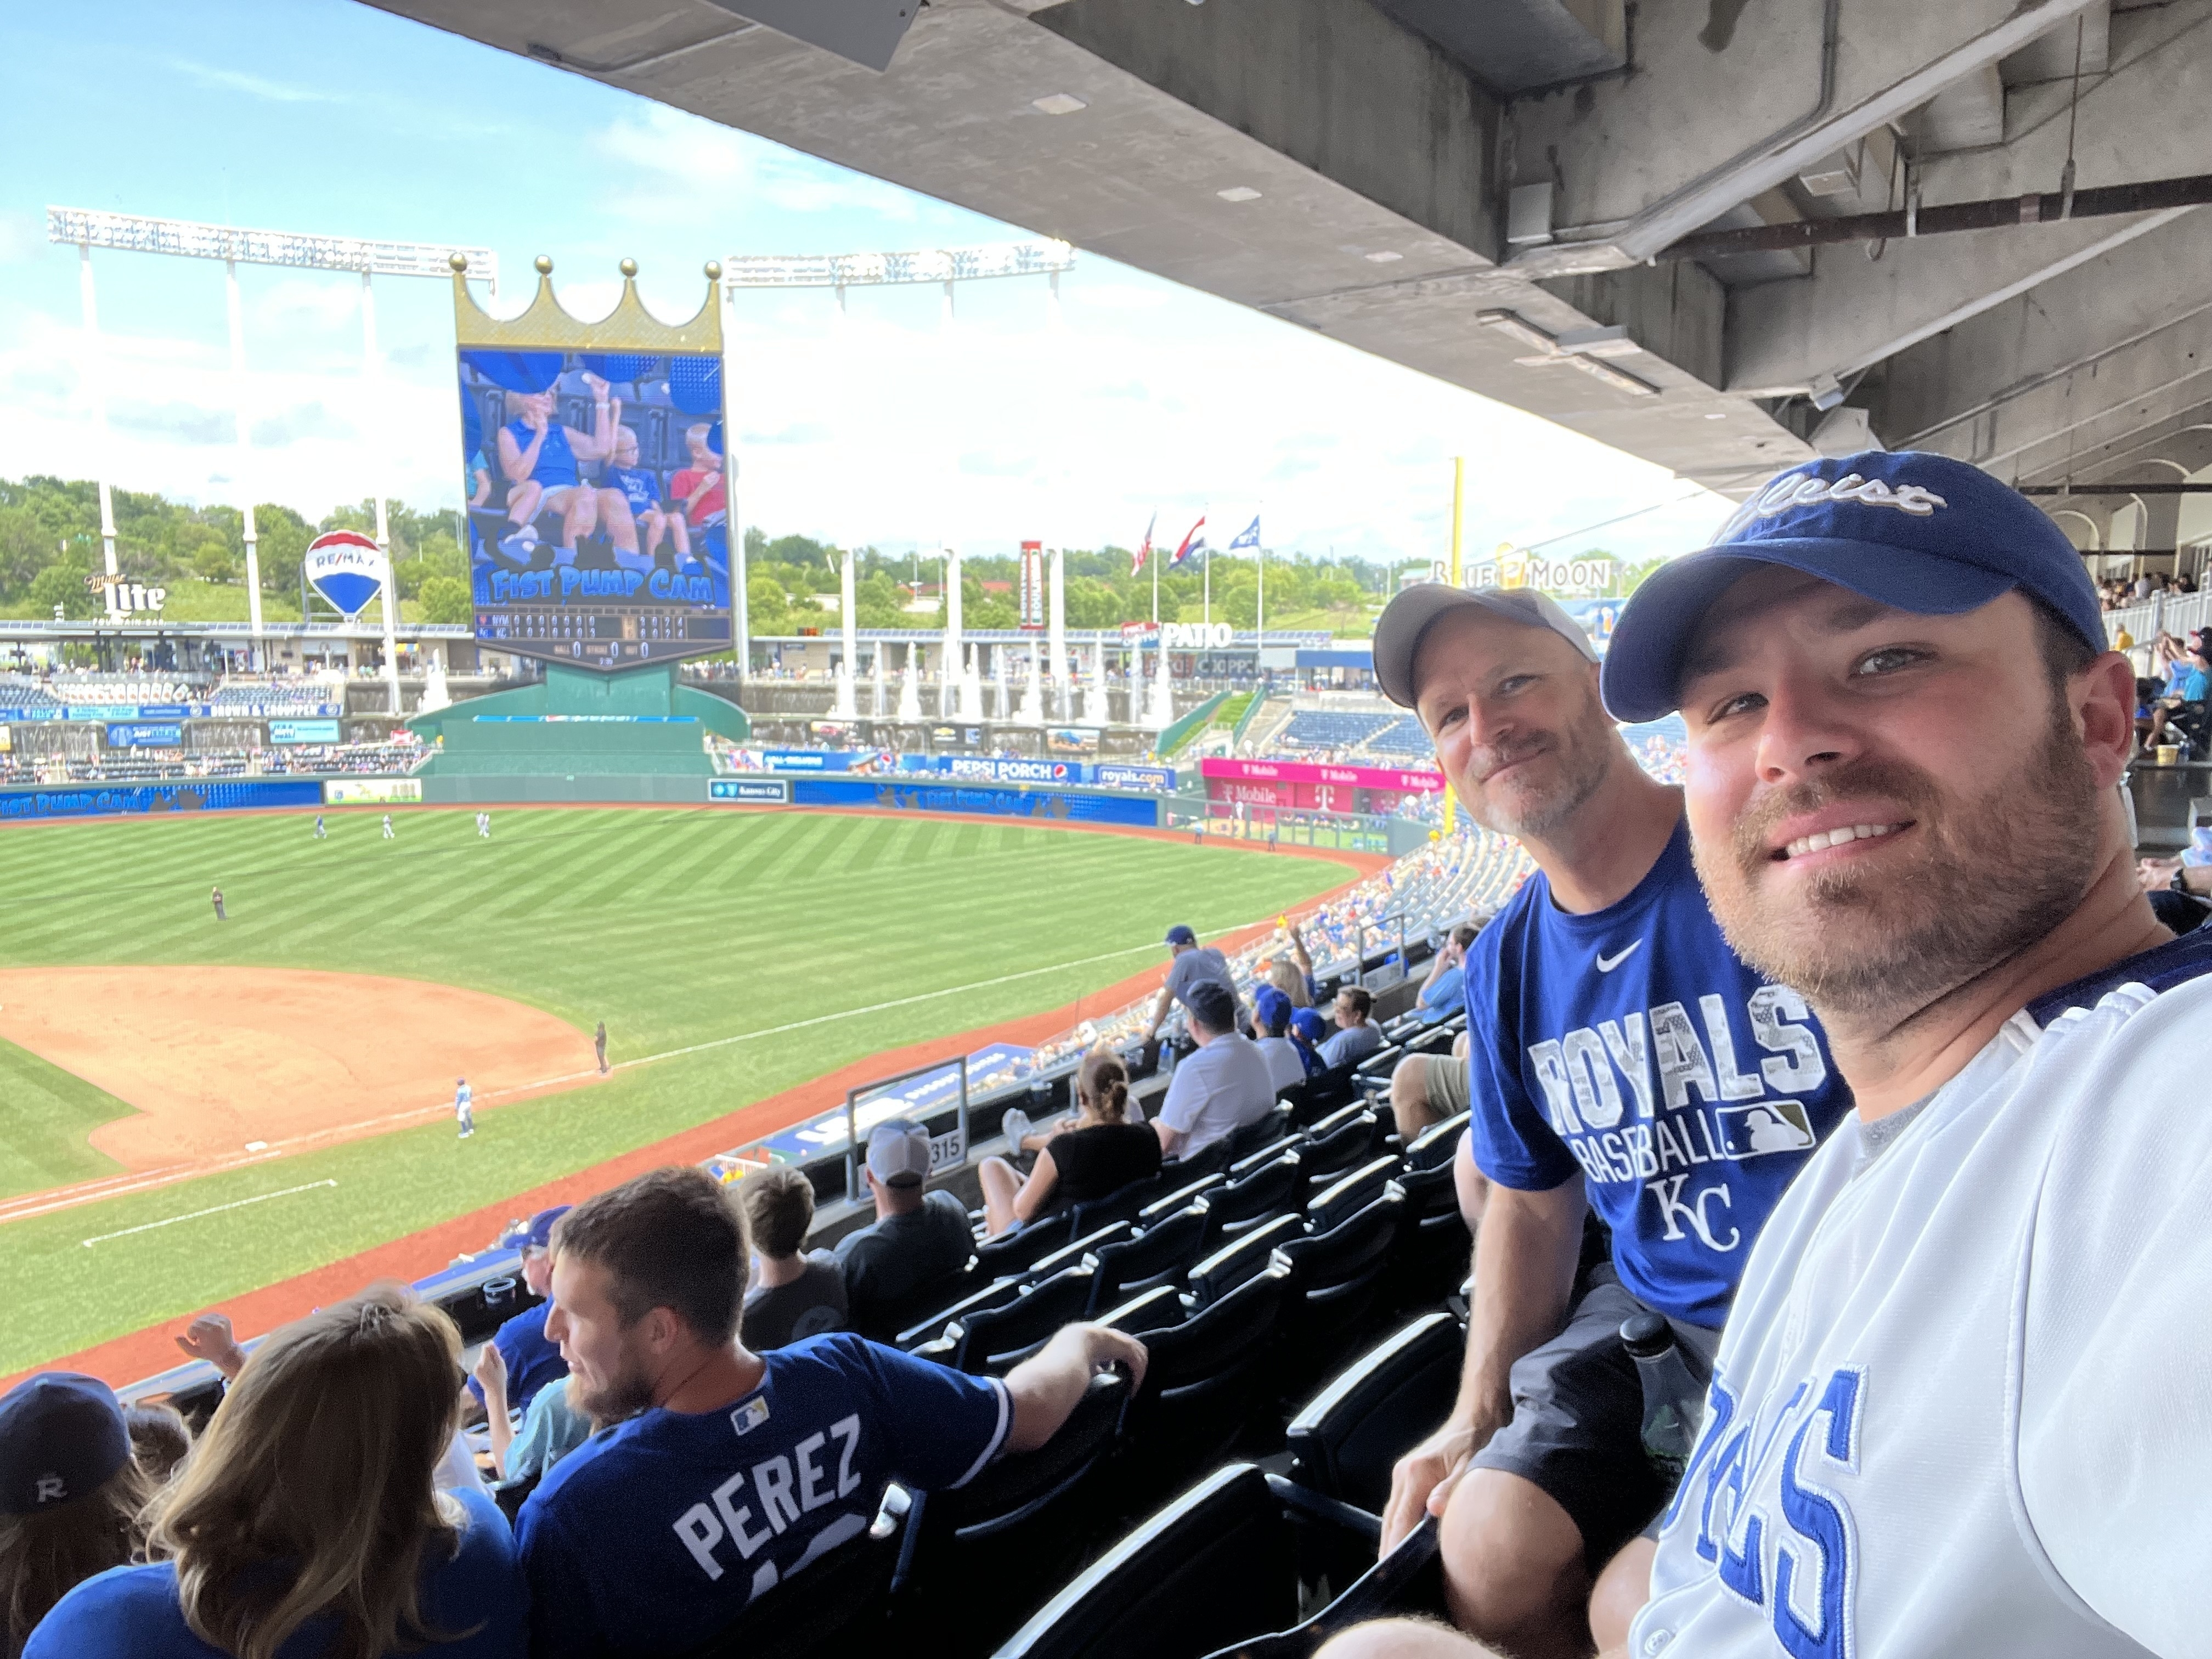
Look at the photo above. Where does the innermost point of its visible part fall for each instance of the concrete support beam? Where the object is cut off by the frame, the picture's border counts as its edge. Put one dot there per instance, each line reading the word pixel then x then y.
pixel 1853 312
pixel 1727 102
pixel 2095 356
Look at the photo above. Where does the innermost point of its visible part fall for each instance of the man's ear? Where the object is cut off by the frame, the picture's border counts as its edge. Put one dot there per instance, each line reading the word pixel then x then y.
pixel 2104 705
pixel 661 1329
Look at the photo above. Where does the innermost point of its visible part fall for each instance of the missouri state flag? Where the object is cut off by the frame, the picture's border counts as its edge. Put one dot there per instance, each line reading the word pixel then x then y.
pixel 1194 541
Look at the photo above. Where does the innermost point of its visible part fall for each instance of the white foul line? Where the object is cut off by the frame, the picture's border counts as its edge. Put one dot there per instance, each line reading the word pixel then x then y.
pixel 123 1185
pixel 101 1238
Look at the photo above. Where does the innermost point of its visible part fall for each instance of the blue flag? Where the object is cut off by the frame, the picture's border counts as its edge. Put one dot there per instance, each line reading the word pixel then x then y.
pixel 1247 536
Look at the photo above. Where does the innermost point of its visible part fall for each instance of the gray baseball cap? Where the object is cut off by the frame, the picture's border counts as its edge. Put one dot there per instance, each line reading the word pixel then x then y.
pixel 898 1152
pixel 1405 618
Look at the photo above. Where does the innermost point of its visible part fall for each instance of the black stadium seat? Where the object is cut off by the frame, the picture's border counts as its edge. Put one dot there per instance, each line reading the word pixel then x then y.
pixel 1335 1277
pixel 1245 1203
pixel 983 1297
pixel 1375 1410
pixel 976 1559
pixel 1350 1192
pixel 1159 1255
pixel 1342 1145
pixel 1177 1199
pixel 1069 1255
pixel 1436 1145
pixel 838 1614
pixel 1018 1251
pixel 993 1340
pixel 1239 1259
pixel 1215 1568
pixel 1262 1132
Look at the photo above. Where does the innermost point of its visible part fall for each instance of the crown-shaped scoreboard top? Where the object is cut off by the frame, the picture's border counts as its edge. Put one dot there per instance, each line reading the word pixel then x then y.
pixel 545 327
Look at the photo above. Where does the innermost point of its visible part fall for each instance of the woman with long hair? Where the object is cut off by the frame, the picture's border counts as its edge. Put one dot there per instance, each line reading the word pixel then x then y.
pixel 70 1495
pixel 1101 1152
pixel 306 1521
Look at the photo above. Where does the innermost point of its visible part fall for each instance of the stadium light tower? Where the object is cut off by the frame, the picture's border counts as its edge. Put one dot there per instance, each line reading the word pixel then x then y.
pixel 946 266
pixel 88 228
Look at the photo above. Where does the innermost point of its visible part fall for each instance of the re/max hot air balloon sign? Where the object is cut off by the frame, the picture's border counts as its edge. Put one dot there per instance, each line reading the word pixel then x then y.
pixel 346 567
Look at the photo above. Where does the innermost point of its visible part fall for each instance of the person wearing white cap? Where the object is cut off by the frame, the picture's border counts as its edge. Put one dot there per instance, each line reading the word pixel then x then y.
pixel 919 1237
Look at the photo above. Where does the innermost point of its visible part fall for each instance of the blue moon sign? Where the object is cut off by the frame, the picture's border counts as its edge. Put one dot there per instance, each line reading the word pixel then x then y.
pixel 346 567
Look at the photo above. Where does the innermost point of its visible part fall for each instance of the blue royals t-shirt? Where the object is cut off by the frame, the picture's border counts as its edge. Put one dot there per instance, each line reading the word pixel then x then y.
pixel 641 489
pixel 1632 1047
pixel 133 1613
pixel 532 1361
pixel 654 1534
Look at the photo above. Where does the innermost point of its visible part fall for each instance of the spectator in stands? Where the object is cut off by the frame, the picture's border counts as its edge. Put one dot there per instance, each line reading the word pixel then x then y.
pixel 531 1361
pixel 70 1495
pixel 699 486
pixel 1270 1017
pixel 550 1430
pixel 796 1293
pixel 631 493
pixel 2185 690
pixel 1097 1155
pixel 1218 1090
pixel 540 458
pixel 1427 1089
pixel 1539 1473
pixel 159 1438
pixel 1356 1036
pixel 917 1239
pixel 1190 963
pixel 309 1509
pixel 1309 1031
pixel 1293 974
pixel 729 1472
pixel 1444 993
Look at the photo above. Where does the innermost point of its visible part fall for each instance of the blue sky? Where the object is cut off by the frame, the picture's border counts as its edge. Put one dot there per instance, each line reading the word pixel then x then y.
pixel 325 116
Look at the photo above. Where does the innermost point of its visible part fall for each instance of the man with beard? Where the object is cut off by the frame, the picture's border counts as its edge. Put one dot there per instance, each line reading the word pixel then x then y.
pixel 1961 1402
pixel 728 1472
pixel 1621 1058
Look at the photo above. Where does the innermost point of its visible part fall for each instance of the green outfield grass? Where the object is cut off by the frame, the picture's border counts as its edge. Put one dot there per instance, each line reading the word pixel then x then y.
pixel 675 927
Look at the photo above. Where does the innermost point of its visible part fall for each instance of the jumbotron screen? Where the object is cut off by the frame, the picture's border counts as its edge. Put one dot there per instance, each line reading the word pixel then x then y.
pixel 598 518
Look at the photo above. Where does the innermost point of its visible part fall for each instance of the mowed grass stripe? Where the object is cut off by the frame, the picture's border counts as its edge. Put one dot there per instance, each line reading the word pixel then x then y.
pixel 690 953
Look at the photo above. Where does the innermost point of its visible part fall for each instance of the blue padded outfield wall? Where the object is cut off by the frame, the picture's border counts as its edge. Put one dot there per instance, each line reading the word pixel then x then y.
pixel 186 795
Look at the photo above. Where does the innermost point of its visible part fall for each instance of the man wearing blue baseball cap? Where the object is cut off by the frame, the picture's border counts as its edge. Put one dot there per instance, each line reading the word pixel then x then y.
pixel 1190 963
pixel 529 1362
pixel 1960 1404
pixel 1620 1059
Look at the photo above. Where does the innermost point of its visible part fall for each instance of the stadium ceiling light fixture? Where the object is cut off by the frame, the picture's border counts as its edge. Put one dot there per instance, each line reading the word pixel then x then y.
pixel 1384 256
pixel 941 264
pixel 1582 349
pixel 1238 193
pixel 1058 103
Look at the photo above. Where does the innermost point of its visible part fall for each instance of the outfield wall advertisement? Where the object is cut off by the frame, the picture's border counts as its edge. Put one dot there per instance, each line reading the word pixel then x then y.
pixel 598 523
pixel 1060 805
pixel 125 799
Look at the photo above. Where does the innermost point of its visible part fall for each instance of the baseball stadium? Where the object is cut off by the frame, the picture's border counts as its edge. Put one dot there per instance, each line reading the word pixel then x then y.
pixel 608 1053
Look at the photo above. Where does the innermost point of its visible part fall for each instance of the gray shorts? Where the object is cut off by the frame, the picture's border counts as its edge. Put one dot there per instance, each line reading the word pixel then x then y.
pixel 1443 1082
pixel 1577 1427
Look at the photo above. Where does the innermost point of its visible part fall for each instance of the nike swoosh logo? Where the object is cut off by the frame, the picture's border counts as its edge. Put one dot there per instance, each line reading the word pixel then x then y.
pixel 1607 965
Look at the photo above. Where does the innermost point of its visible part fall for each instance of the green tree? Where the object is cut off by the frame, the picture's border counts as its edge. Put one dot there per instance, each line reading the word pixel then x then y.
pixel 447 599
pixel 60 585
pixel 213 563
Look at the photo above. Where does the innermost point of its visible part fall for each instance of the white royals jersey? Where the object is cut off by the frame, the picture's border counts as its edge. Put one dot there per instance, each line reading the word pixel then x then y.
pixel 1963 1406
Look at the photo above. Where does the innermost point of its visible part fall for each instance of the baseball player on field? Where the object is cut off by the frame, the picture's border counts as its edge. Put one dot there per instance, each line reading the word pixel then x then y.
pixel 1961 1404
pixel 321 833
pixel 388 835
pixel 484 826
pixel 464 1112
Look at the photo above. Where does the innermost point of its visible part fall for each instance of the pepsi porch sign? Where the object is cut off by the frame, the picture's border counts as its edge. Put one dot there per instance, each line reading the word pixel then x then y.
pixel 346 567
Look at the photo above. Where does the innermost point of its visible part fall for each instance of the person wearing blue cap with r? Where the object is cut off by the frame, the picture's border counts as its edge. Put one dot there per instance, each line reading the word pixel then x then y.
pixel 70 1495
pixel 529 1361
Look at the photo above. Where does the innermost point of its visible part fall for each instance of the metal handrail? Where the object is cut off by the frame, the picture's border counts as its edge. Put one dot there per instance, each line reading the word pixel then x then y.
pixel 853 1113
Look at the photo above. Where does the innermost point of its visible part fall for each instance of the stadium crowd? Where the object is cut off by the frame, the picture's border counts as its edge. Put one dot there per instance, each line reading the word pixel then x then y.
pixel 1854 1313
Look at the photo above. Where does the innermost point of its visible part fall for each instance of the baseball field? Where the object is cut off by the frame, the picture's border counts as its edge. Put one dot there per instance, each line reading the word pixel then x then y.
pixel 191 1109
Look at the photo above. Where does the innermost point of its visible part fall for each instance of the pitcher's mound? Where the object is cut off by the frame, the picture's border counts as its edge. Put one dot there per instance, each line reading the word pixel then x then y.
pixel 215 1059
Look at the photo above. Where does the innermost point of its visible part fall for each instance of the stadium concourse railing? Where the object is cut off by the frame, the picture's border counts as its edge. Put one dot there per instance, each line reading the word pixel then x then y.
pixel 1410 906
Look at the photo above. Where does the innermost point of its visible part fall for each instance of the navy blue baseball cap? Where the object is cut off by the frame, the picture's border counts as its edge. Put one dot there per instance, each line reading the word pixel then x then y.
pixel 62 1436
pixel 1918 531
pixel 540 1236
pixel 1271 1008
pixel 1180 934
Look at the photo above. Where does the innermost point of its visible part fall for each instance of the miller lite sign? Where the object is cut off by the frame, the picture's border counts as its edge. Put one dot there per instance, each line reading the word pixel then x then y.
pixel 346 567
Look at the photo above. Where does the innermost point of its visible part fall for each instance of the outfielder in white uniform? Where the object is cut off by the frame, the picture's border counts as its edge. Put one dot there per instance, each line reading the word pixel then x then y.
pixel 388 835
pixel 1962 1405
pixel 463 1107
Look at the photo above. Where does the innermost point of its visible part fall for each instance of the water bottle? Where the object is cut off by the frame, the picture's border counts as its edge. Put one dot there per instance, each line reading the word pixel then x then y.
pixel 1673 1400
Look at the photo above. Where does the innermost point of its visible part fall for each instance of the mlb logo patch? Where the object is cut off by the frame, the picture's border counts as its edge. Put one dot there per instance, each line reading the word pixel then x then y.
pixel 1765 1126
pixel 751 1415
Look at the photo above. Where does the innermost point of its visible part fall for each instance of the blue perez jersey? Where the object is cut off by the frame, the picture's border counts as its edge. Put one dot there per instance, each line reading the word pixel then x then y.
pixel 653 1534
pixel 1633 1048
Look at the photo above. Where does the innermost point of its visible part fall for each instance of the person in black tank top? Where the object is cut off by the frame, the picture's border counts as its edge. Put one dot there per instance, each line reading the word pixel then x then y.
pixel 1102 1153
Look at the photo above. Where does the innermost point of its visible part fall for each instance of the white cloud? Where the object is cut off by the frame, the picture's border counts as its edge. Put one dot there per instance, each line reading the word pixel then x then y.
pixel 256 86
